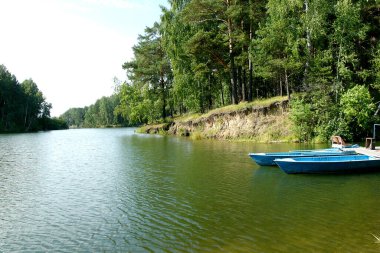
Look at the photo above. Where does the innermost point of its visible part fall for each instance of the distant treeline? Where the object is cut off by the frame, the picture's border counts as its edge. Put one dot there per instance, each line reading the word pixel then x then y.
pixel 100 114
pixel 23 107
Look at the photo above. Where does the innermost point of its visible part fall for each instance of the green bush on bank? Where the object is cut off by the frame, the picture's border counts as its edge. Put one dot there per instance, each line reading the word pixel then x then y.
pixel 318 119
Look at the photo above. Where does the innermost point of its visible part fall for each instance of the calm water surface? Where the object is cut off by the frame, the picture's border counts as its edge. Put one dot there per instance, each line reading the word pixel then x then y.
pixel 115 191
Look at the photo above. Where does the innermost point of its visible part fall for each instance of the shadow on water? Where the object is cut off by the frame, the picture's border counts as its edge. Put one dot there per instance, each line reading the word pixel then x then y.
pixel 318 212
pixel 209 196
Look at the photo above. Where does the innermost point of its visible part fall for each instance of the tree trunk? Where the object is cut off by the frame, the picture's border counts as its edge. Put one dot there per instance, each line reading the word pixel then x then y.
pixel 26 114
pixel 250 69
pixel 2 120
pixel 233 80
pixel 250 81
pixel 239 84
pixel 201 97
pixel 287 84
pixel 162 82
pixel 309 46
pixel 241 76
pixel 337 78
pixel 243 86
pixel 30 124
pixel 232 62
pixel 209 97
pixel 222 93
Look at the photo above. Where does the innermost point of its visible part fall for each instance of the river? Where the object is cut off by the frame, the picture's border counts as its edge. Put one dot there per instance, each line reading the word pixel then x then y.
pixel 111 190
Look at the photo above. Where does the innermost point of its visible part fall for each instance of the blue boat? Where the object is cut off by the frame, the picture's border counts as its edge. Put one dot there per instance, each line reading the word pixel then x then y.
pixel 320 150
pixel 267 159
pixel 329 164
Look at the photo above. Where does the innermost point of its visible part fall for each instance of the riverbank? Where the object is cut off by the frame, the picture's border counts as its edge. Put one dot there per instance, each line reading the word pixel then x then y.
pixel 261 121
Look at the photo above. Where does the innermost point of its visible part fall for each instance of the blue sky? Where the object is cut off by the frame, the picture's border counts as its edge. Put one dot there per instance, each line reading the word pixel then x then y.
pixel 72 49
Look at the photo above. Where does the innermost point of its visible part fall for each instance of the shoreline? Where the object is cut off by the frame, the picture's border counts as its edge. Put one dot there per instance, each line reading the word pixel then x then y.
pixel 262 124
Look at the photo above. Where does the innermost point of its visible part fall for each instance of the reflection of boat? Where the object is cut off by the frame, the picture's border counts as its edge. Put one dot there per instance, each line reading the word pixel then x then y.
pixel 329 164
pixel 268 158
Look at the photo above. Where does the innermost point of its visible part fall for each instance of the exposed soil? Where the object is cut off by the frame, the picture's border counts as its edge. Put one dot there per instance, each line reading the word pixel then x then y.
pixel 263 123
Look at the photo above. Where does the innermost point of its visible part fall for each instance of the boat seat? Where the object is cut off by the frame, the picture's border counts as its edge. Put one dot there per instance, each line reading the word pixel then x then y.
pixel 370 143
pixel 337 140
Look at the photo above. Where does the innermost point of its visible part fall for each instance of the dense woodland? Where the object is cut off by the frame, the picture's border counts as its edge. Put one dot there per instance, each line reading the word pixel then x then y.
pixel 23 107
pixel 100 114
pixel 203 54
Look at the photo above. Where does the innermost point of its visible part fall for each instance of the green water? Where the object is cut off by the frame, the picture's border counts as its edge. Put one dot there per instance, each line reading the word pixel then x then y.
pixel 115 191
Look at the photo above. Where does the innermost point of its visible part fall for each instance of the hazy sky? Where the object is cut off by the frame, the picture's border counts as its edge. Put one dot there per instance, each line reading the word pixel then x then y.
pixel 72 49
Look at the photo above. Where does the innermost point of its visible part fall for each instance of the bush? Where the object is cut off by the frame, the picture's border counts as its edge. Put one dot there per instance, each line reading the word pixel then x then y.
pixel 357 109
pixel 303 121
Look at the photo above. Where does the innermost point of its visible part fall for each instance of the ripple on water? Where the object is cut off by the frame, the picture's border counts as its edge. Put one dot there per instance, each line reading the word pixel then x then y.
pixel 111 190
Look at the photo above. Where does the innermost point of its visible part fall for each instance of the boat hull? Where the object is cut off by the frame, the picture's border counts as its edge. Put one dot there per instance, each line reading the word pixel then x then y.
pixel 331 164
pixel 267 159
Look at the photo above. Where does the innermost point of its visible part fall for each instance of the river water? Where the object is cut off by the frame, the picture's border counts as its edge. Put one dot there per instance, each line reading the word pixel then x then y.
pixel 111 190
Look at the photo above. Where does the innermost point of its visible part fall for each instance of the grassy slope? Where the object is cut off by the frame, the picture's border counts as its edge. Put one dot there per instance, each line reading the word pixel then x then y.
pixel 230 108
pixel 275 128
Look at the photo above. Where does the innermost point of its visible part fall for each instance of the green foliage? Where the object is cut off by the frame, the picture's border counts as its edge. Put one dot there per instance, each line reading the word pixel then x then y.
pixel 52 124
pixel 335 125
pixel 150 72
pixel 278 46
pixel 136 108
pixel 357 108
pixel 319 118
pixel 22 106
pixel 376 68
pixel 348 29
pixel 351 118
pixel 316 121
pixel 34 104
pixel 302 117
pixel 74 117
pixel 206 54
pixel 101 114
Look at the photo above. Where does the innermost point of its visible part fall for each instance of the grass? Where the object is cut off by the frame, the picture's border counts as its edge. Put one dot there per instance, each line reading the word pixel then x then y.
pixel 276 128
pixel 231 108
pixel 196 135
pixel 141 130
pixel 158 127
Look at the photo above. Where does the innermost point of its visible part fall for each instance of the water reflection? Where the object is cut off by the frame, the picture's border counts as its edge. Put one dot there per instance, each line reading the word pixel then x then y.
pixel 320 211
pixel 115 191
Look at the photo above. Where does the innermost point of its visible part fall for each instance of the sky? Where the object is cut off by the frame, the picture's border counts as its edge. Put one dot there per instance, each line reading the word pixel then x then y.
pixel 72 49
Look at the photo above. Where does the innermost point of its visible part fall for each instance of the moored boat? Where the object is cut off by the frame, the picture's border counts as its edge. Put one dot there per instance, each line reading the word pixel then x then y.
pixel 329 164
pixel 318 150
pixel 267 159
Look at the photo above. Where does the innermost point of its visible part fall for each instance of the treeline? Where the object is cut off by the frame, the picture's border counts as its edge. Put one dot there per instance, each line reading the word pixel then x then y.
pixel 204 54
pixel 23 107
pixel 100 114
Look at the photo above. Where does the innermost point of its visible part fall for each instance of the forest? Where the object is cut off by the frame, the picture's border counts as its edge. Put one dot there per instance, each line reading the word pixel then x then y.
pixel 23 107
pixel 100 114
pixel 324 55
